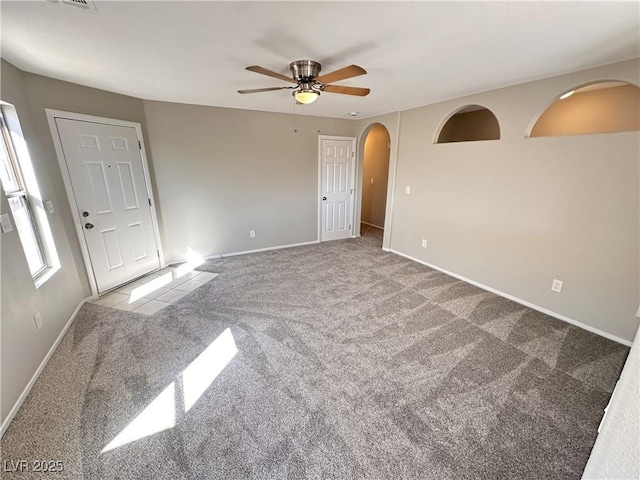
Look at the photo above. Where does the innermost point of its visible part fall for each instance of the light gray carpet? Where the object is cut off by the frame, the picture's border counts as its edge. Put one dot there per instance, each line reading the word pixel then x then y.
pixel 352 363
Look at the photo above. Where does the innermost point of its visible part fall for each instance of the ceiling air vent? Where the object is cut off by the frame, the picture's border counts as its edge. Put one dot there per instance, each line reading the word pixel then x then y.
pixel 85 4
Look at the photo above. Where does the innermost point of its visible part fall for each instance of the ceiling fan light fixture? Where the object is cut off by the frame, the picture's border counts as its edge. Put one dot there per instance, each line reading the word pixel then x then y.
pixel 306 96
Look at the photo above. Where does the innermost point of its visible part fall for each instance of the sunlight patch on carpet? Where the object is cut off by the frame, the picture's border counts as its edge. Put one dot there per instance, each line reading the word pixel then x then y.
pixel 163 412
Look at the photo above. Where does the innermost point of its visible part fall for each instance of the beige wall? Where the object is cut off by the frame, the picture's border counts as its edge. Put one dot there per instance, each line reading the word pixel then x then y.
pixel 221 172
pixel 376 169
pixel 513 214
pixel 595 111
pixel 468 126
pixel 23 345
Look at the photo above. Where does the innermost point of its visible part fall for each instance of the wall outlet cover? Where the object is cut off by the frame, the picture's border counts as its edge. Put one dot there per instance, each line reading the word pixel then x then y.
pixel 49 206
pixel 252 233
pixel 556 285
pixel 424 243
pixel 407 190
pixel 38 320
pixel 6 223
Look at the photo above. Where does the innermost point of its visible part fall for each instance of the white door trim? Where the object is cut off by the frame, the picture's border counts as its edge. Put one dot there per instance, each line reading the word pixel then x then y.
pixel 354 141
pixel 57 143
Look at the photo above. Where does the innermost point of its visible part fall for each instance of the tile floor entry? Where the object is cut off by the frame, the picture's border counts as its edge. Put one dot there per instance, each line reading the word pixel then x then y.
pixel 153 292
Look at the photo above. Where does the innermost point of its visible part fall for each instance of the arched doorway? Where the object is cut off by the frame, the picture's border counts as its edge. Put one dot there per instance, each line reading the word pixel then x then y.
pixel 375 175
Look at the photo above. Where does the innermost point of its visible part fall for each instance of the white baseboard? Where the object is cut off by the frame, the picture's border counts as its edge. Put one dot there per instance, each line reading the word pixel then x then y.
pixel 577 323
pixel 43 364
pixel 278 247
pixel 372 225
pixel 246 252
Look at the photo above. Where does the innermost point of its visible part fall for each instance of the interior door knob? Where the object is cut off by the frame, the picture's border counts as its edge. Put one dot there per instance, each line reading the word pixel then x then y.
pixel 324 198
pixel 88 226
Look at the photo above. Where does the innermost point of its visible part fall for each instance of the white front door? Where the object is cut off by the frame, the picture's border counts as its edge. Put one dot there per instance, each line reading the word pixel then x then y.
pixel 108 180
pixel 337 166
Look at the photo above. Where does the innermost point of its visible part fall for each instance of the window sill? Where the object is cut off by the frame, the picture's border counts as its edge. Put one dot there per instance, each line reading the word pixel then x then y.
pixel 45 276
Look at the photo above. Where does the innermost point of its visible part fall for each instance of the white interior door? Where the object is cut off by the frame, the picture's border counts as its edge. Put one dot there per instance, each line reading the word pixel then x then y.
pixel 105 167
pixel 337 167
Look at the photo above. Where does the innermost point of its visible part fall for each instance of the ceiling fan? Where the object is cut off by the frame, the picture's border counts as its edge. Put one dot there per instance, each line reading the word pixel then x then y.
pixel 305 74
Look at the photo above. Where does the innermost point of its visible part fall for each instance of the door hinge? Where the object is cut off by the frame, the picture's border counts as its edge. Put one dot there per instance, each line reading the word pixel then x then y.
pixel 149 201
pixel 352 191
pixel 139 144
pixel 349 227
pixel 158 252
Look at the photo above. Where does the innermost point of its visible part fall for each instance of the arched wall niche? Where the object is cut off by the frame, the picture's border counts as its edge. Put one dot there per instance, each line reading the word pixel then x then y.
pixel 469 124
pixel 605 106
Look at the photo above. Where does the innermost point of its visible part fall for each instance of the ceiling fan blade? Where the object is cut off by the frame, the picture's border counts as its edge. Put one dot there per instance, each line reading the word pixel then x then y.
pixel 342 74
pixel 270 73
pixel 268 89
pixel 360 92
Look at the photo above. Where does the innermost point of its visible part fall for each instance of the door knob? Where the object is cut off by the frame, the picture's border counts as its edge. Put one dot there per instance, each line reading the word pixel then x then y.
pixel 88 226
pixel 85 214
pixel 324 198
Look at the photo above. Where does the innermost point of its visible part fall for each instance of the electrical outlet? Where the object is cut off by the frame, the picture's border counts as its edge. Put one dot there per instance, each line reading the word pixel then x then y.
pixel 407 190
pixel 252 233
pixel 38 320
pixel 556 286
pixel 424 243
pixel 49 206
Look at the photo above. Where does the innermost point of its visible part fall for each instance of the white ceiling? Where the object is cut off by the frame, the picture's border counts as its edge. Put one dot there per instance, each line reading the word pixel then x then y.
pixel 416 53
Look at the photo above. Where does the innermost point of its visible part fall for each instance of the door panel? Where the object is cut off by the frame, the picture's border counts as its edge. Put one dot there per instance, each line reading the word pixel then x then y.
pixel 342 215
pixel 137 234
pixel 107 176
pixel 337 183
pixel 112 250
pixel 127 186
pixel 98 187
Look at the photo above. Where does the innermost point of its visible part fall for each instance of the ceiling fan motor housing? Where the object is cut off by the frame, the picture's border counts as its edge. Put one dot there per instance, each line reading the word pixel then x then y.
pixel 305 70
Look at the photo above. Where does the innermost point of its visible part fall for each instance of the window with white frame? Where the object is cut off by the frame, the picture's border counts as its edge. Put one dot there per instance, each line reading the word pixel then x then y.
pixel 31 223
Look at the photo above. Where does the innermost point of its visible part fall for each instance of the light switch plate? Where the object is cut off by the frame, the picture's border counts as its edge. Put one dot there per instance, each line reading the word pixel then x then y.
pixel 49 206
pixel 6 223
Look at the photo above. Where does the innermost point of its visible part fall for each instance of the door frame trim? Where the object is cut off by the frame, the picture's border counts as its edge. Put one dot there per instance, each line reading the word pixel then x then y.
pixel 66 178
pixel 354 141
